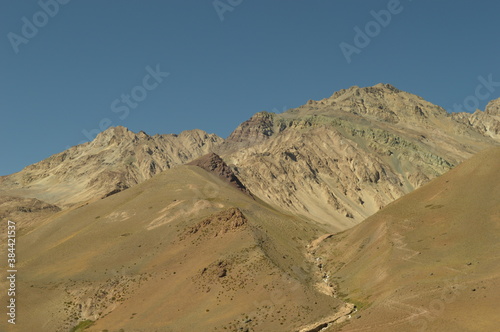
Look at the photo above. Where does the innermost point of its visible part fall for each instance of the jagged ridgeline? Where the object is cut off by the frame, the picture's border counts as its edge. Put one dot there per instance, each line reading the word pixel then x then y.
pixel 336 160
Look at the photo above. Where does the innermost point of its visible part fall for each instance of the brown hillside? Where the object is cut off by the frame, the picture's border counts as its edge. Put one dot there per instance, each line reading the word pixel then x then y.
pixel 429 261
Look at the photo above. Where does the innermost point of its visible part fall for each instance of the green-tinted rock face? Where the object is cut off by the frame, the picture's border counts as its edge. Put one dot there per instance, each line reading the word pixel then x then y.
pixel 357 150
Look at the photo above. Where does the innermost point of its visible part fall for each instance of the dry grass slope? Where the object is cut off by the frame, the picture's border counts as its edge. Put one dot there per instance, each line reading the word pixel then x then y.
pixel 429 261
pixel 183 251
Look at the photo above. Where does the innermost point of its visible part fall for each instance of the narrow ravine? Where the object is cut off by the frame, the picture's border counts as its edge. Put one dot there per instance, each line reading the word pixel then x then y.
pixel 340 316
pixel 326 287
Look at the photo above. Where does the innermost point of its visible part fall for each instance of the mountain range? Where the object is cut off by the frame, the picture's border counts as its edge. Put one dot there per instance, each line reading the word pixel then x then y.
pixel 371 209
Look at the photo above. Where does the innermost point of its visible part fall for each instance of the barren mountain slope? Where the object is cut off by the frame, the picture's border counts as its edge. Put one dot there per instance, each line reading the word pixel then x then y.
pixel 183 251
pixel 115 160
pixel 341 159
pixel 429 261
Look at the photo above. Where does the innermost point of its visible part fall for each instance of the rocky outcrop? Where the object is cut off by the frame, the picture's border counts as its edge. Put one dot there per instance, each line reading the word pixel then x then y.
pixel 486 123
pixel 214 164
pixel 493 108
pixel 217 224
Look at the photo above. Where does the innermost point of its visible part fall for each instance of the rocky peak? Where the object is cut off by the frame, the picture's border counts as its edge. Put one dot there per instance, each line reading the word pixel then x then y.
pixel 118 131
pixel 493 107
pixel 213 163
pixel 388 87
pixel 486 123
pixel 256 129
pixel 197 134
pixel 116 135
pixel 383 102
pixel 378 90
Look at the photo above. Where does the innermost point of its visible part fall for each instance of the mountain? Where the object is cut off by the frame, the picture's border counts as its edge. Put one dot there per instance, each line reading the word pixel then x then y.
pixel 263 231
pixel 341 159
pixel 115 160
pixel 336 161
pixel 429 261
pixel 183 251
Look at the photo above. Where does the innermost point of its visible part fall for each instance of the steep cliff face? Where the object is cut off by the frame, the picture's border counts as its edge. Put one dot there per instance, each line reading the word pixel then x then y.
pixel 341 159
pixel 117 159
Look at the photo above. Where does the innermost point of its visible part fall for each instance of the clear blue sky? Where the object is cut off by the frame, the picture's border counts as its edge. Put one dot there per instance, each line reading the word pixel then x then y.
pixel 263 55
